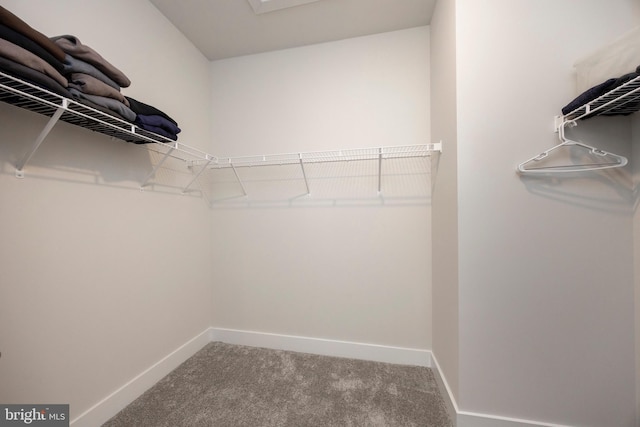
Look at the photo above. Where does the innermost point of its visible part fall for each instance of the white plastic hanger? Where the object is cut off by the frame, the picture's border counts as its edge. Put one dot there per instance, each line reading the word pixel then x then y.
pixel 609 160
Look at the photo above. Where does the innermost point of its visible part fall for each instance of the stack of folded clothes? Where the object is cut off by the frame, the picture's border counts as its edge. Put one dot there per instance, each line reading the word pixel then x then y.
pixel 29 55
pixel 65 66
pixel 92 78
pixel 154 120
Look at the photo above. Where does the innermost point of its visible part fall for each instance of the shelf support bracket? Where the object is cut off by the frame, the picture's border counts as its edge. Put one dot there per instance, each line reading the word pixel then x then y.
pixel 210 159
pixel 379 170
pixel 235 172
pixel 156 167
pixel 36 144
pixel 304 174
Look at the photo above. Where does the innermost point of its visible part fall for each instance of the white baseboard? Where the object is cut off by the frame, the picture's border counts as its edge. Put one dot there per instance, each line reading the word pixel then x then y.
pixel 445 390
pixel 99 413
pixel 475 419
pixel 472 419
pixel 325 347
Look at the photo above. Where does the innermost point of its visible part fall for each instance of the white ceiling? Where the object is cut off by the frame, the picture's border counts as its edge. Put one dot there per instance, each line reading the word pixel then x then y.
pixel 228 28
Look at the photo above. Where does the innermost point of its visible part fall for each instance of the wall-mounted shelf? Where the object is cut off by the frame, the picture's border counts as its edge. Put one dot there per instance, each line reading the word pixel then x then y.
pixel 34 98
pixel 622 100
pixel 376 158
pixel 375 153
pixel 59 108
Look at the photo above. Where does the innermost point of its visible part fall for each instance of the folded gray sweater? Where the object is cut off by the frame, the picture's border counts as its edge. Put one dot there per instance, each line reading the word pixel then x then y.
pixel 72 46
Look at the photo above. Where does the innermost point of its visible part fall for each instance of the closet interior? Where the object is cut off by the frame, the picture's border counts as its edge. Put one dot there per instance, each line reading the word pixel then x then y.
pixel 399 231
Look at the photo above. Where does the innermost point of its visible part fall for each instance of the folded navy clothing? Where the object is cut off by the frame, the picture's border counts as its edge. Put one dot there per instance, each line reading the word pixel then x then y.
pixel 147 110
pixel 631 105
pixel 599 90
pixel 589 95
pixel 157 121
pixel 158 130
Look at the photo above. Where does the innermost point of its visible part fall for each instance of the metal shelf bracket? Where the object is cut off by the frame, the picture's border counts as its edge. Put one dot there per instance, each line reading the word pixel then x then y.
pixel 235 172
pixel 304 174
pixel 379 170
pixel 209 160
pixel 36 144
pixel 156 167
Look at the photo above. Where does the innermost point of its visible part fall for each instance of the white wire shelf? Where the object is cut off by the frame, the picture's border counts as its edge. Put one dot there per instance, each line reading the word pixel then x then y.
pixel 34 98
pixel 42 101
pixel 624 99
pixel 373 153
pixel 307 163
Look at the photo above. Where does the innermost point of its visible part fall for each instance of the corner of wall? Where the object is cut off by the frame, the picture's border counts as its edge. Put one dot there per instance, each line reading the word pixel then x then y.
pixel 635 165
pixel 445 194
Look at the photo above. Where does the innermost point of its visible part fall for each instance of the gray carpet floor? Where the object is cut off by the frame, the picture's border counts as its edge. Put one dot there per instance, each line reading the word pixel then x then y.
pixel 231 385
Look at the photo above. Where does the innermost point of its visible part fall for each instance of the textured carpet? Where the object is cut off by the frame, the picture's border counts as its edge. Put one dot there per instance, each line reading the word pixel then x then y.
pixel 231 385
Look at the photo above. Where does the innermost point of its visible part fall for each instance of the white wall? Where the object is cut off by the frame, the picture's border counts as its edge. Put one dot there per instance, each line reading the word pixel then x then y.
pixel 635 164
pixel 99 280
pixel 445 193
pixel 546 268
pixel 352 269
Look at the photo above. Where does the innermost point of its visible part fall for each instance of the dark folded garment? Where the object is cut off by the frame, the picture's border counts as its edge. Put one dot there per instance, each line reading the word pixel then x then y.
pixel 157 121
pixel 597 91
pixel 73 46
pixel 589 95
pixel 631 105
pixel 158 130
pixel 32 76
pixel 12 21
pixel 147 110
pixel 24 42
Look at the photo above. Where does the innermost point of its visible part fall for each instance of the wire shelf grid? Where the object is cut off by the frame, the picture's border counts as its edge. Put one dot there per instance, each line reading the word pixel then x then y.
pixel 31 97
pixel 34 98
pixel 370 153
pixel 622 100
